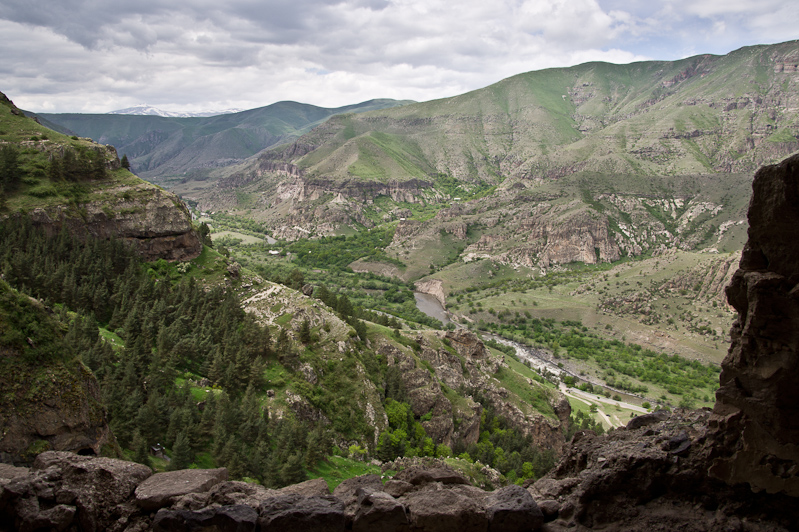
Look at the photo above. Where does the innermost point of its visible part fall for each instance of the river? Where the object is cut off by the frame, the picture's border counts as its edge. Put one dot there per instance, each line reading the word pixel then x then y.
pixel 431 306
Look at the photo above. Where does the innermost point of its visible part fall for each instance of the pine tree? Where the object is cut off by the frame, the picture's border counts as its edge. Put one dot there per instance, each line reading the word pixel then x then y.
pixel 10 167
pixel 182 456
pixel 141 451
pixel 305 331
pixel 124 163
pixel 292 471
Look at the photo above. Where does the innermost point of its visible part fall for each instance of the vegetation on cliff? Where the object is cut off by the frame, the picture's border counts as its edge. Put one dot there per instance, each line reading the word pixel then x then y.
pixel 181 364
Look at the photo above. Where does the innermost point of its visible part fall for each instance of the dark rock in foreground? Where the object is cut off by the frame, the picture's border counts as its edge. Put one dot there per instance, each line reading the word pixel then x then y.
pixel 654 478
pixel 64 491
pixel 757 405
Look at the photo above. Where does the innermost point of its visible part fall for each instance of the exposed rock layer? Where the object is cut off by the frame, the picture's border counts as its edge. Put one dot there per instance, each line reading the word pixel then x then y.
pixel 151 219
pixel 652 476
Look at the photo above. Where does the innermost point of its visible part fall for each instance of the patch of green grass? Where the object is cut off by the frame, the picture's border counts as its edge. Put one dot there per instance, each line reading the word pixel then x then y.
pixel 284 319
pixel 534 395
pixel 337 469
pixel 112 338
pixel 782 135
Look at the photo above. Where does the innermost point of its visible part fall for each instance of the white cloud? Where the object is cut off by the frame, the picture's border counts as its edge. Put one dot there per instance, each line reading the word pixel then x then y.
pixel 76 55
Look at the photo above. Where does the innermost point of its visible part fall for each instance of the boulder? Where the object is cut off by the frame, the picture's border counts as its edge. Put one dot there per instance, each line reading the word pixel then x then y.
pixel 63 489
pixel 315 486
pixel 418 476
pixel 377 510
pixel 237 518
pixel 347 491
pixel 512 509
pixel 298 513
pixel 445 510
pixel 397 488
pixel 232 493
pixel 163 489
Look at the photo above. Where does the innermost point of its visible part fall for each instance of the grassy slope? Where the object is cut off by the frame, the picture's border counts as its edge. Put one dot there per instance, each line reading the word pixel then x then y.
pixel 542 121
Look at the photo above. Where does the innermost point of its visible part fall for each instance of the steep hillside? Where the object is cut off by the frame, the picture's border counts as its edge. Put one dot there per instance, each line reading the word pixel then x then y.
pixel 698 115
pixel 609 131
pixel 163 147
pixel 68 182
pixel 49 399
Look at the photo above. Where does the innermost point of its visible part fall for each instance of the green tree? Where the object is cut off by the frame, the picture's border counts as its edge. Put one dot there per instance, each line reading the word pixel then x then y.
pixel 124 162
pixel 182 456
pixel 305 331
pixel 10 167
pixel 141 451
pixel 205 234
pixel 292 471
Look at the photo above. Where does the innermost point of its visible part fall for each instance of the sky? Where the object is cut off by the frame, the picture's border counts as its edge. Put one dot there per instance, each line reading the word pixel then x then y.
pixel 95 56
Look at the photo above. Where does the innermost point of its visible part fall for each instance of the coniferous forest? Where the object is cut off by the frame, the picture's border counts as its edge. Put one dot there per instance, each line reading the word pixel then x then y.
pixel 142 329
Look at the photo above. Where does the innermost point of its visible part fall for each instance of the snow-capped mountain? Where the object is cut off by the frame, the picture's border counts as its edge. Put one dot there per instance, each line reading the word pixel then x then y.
pixel 145 109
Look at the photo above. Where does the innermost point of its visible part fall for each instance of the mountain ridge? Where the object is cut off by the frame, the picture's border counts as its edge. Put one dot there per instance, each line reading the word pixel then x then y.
pixel 160 146
pixel 148 110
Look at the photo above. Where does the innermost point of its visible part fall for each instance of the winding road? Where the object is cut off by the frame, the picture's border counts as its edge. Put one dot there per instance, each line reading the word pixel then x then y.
pixel 588 398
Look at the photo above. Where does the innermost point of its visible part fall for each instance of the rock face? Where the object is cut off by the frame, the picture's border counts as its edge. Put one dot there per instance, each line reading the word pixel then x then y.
pixel 472 367
pixel 69 492
pixel 72 418
pixel 47 403
pixel 757 405
pixel 63 489
pixel 151 219
pixel 653 476
pixel 434 287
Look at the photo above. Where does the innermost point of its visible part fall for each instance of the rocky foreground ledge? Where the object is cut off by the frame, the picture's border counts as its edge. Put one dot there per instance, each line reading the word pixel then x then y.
pixel 64 491
pixel 649 476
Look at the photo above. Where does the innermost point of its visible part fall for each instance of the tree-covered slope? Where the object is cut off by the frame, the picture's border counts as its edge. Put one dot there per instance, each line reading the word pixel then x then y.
pixel 61 181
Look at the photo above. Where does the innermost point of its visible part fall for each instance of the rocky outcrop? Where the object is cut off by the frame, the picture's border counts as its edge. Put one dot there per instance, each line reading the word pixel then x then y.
pixel 653 476
pixel 65 415
pixel 48 402
pixel 68 492
pixel 470 367
pixel 151 219
pixel 310 189
pixel 65 490
pixel 711 279
pixel 757 405
pixel 434 287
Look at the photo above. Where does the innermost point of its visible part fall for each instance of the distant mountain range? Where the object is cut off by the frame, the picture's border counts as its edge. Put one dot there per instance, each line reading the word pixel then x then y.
pixel 164 146
pixel 147 110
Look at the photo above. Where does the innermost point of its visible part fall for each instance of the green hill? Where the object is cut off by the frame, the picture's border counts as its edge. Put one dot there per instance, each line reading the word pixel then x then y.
pixel 159 146
pixel 697 115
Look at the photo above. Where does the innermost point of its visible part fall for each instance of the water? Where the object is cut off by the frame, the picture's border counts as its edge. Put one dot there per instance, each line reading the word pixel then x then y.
pixel 431 306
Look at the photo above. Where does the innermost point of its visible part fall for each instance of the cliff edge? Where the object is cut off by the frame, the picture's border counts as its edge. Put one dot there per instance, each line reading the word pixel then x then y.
pixel 757 405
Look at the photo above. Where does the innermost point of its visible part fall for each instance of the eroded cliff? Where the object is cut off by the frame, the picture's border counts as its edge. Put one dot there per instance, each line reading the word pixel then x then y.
pixel 757 405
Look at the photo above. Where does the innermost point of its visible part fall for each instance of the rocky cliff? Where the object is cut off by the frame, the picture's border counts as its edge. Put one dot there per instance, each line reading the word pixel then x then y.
pixel 97 198
pixel 153 220
pixel 49 399
pixel 653 476
pixel 757 405
pixel 464 363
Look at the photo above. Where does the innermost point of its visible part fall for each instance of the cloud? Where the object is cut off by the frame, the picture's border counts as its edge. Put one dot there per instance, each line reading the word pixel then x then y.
pixel 80 55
